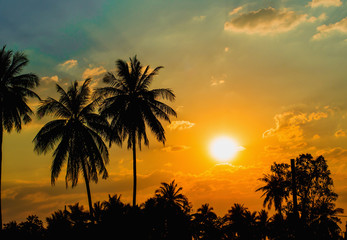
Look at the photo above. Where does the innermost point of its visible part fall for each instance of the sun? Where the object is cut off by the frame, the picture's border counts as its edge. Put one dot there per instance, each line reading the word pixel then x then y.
pixel 224 148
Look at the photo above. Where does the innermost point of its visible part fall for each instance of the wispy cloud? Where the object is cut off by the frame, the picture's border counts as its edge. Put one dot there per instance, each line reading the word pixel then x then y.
pixel 93 72
pixel 288 125
pixel 336 153
pixel 235 10
pixel 68 64
pixel 221 182
pixel 175 148
pixel 218 80
pixel 54 78
pixel 316 137
pixel 199 18
pixel 266 21
pixel 180 125
pixel 273 149
pixel 325 3
pixel 326 30
pixel 340 133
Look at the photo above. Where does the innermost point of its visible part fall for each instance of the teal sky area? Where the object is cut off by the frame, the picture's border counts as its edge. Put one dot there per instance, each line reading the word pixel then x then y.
pixel 270 74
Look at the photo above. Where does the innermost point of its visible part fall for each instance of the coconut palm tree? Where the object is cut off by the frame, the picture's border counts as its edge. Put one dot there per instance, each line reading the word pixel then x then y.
pixel 205 213
pixel 263 223
pixel 172 196
pixel 79 134
pixel 236 225
pixel 132 106
pixel 275 190
pixel 15 88
pixel 206 223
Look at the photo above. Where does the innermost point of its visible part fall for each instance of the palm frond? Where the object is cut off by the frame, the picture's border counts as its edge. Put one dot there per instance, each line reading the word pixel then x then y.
pixel 50 106
pixel 60 155
pixel 48 135
pixel 154 124
pixel 165 93
pixel 19 60
pixel 28 80
pixel 15 89
pixel 147 79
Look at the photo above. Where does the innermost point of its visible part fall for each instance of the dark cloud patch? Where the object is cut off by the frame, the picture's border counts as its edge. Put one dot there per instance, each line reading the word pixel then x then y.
pixel 266 21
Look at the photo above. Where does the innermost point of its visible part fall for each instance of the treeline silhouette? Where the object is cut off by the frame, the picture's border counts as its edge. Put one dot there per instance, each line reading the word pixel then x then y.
pixel 169 214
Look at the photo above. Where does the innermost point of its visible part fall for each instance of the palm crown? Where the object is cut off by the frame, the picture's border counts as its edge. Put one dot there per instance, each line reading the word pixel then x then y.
pixel 14 90
pixel 79 131
pixel 171 194
pixel 131 105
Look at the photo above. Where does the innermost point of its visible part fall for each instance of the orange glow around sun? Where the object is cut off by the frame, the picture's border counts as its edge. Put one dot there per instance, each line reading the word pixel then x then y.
pixel 224 148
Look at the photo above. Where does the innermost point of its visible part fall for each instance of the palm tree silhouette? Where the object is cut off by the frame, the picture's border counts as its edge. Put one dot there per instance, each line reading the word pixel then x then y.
pixel 206 223
pixel 59 223
pixel 263 224
pixel 205 213
pixel 131 105
pixel 170 194
pixel 113 203
pixel 276 188
pixel 15 88
pixel 236 225
pixel 80 133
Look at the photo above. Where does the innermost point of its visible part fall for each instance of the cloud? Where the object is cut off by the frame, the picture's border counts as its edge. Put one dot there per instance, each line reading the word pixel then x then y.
pixel 336 153
pixel 54 78
pixel 235 10
pixel 218 80
pixel 223 185
pixel 340 133
pixel 68 64
pixel 93 72
pixel 325 3
pixel 273 149
pixel 180 125
pixel 298 145
pixel 22 199
pixel 326 30
pixel 179 109
pixel 176 148
pixel 199 18
pixel 266 21
pixel 289 125
pixel 315 137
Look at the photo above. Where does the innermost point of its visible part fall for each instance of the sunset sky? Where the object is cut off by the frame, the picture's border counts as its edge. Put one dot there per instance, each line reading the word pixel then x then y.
pixel 272 75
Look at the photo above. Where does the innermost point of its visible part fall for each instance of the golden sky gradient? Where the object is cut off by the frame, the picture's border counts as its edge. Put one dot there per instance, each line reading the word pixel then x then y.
pixel 269 74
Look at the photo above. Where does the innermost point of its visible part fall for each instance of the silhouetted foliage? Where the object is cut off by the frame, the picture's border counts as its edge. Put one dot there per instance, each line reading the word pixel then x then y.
pixel 132 106
pixel 168 215
pixel 206 224
pixel 316 199
pixel 32 228
pixel 15 88
pixel 276 188
pixel 79 134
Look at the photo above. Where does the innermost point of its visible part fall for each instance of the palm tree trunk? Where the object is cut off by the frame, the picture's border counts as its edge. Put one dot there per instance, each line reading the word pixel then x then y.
pixel 134 169
pixel 86 179
pixel 280 211
pixel 1 136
